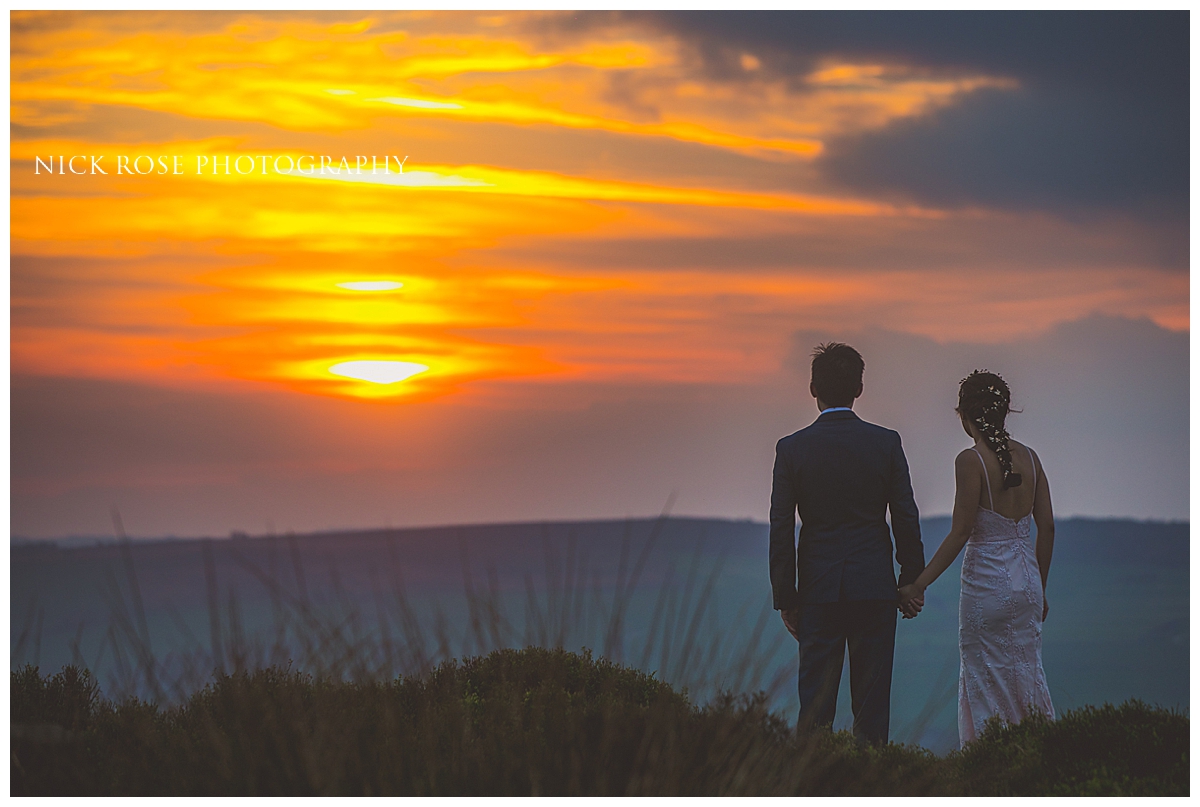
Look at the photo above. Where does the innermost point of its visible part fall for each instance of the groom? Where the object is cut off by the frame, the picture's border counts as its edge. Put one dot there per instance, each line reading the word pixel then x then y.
pixel 843 474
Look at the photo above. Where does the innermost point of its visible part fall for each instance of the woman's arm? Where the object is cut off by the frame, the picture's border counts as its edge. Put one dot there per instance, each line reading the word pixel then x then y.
pixel 1043 517
pixel 968 484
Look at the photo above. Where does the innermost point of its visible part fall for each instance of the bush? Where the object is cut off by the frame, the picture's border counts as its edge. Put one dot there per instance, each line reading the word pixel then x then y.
pixel 540 722
pixel 1130 750
pixel 67 699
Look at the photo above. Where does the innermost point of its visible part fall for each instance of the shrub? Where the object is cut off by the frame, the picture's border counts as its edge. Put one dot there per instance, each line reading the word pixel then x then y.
pixel 67 699
pixel 1127 750
pixel 542 722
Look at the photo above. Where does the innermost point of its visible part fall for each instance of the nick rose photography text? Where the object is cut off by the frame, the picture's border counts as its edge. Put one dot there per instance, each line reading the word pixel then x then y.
pixel 223 164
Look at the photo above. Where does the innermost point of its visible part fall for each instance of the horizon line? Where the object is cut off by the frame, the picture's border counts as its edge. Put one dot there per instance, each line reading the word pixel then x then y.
pixel 77 541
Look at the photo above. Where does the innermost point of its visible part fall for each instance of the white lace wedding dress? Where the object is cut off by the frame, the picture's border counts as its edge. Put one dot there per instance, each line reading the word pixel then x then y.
pixel 1000 624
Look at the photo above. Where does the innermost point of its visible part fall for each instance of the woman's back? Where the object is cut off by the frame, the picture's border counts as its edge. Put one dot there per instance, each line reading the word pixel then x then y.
pixel 1013 503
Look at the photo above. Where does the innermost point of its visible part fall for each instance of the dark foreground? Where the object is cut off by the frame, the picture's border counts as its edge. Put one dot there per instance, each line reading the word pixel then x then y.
pixel 538 722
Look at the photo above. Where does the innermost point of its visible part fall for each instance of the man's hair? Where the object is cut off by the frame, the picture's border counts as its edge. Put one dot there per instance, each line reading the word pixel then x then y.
pixel 837 371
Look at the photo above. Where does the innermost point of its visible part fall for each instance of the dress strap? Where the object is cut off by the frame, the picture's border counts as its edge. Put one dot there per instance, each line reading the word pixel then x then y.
pixel 1033 462
pixel 986 481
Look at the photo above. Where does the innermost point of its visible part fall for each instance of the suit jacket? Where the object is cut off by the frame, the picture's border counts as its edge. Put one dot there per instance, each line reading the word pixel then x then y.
pixel 842 474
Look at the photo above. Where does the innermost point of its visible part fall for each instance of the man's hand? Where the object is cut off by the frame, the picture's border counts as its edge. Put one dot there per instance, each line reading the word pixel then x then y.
pixel 911 601
pixel 791 621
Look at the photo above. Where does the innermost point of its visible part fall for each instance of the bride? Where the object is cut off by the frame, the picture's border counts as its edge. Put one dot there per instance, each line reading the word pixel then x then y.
pixel 1000 488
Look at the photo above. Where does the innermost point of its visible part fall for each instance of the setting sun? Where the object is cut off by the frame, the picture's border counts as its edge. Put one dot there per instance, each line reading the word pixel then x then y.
pixel 371 285
pixel 378 372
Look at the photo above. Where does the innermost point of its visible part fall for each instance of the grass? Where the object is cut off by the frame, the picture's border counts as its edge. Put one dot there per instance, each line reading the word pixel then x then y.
pixel 346 635
pixel 538 722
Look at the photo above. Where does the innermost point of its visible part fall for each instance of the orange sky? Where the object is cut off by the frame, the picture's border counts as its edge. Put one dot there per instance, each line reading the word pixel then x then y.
pixel 581 207
pixel 200 279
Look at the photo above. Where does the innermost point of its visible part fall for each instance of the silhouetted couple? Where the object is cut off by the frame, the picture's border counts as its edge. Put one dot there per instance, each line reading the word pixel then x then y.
pixel 836 587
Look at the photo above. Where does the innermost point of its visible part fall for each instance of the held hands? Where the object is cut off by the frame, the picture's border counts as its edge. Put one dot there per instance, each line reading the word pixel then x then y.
pixel 911 600
pixel 1045 605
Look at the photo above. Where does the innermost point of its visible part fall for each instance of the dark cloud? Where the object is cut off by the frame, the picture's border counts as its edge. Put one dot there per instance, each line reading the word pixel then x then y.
pixel 1101 121
pixel 1128 52
pixel 1054 148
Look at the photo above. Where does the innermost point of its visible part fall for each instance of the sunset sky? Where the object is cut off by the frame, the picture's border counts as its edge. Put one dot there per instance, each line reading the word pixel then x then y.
pixel 614 241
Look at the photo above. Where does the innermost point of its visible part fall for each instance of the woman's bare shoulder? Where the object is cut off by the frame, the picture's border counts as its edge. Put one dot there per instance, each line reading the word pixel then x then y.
pixel 967 455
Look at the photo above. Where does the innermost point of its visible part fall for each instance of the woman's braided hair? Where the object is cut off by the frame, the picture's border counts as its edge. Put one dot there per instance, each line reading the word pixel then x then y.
pixel 984 398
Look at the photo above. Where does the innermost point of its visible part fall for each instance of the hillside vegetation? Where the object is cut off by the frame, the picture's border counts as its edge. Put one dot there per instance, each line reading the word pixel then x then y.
pixel 538 722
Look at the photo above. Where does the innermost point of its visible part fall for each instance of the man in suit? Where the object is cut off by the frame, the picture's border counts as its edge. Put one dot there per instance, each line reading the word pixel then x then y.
pixel 842 475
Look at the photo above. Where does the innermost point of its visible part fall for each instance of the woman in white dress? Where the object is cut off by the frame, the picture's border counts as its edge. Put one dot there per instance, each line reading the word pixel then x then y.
pixel 1000 489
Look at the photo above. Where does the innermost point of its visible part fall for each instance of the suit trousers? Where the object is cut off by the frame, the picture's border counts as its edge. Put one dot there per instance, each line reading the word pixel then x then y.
pixel 868 629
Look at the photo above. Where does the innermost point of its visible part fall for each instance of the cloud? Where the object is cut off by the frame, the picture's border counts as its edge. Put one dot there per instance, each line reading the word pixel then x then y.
pixel 952 244
pixel 1129 51
pixel 1051 148
pixel 1101 120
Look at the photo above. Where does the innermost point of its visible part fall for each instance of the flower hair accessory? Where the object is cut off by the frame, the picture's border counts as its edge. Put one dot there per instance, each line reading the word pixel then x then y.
pixel 984 399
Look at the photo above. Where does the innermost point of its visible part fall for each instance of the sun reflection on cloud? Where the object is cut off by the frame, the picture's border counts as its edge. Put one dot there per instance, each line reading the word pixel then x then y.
pixel 418 103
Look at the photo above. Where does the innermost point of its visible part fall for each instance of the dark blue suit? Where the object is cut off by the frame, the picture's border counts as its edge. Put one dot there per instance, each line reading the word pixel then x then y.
pixel 843 475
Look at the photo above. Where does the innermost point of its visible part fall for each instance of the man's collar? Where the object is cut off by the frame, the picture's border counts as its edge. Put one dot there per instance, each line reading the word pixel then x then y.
pixel 836 409
pixel 837 413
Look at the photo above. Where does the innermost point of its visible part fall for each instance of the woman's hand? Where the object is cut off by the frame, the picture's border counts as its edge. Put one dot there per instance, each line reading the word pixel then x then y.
pixel 1045 606
pixel 911 600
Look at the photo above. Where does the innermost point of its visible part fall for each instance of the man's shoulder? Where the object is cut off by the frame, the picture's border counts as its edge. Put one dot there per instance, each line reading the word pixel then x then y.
pixel 854 423
pixel 784 442
pixel 881 431
pixel 800 435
